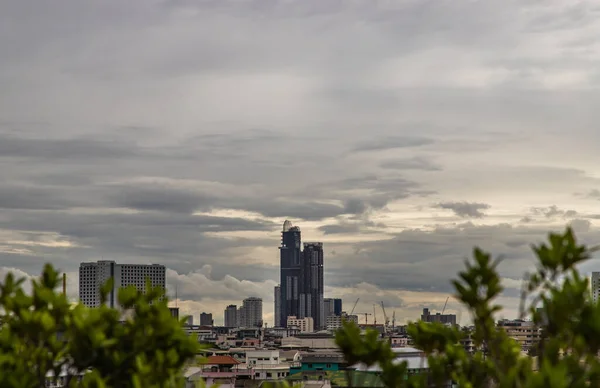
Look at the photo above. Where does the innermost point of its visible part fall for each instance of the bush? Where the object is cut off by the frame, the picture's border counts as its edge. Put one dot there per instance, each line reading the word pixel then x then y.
pixel 43 332
pixel 567 355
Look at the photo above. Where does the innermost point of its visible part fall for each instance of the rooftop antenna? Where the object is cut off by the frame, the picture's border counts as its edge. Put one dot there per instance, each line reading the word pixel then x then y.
pixel 176 300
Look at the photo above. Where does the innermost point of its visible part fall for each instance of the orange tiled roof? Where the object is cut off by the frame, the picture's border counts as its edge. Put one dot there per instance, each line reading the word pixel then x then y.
pixel 221 360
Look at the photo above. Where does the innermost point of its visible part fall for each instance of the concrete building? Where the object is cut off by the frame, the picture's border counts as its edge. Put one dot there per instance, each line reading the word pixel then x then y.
pixel 266 364
pixel 174 312
pixel 312 285
pixel 317 340
pixel 94 275
pixel 305 325
pixel 277 306
pixel 595 286
pixel 337 306
pixel 206 319
pixel 328 308
pixel 334 322
pixel 231 316
pixel 526 333
pixel 290 268
pixel 251 312
pixel 441 318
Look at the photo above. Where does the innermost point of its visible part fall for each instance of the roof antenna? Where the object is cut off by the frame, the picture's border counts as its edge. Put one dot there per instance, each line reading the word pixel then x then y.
pixel 176 300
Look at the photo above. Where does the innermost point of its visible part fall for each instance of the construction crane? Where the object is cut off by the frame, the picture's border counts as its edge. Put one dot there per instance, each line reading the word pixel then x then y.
pixel 385 317
pixel 394 320
pixel 444 309
pixel 366 317
pixel 353 307
pixel 374 315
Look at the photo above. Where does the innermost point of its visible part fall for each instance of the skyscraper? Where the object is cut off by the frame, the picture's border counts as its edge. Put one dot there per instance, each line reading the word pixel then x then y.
pixel 311 284
pixel 328 308
pixel 94 275
pixel 277 310
pixel 290 253
pixel 231 319
pixel 337 307
pixel 252 312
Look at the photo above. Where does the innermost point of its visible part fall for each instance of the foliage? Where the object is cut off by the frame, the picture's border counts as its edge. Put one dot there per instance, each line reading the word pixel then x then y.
pixel 567 355
pixel 43 332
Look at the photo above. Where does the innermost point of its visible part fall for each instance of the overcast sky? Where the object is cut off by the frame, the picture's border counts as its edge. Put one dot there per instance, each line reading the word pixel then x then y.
pixel 399 133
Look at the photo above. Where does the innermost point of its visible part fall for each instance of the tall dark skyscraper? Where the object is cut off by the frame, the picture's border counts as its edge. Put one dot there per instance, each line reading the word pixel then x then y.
pixel 290 254
pixel 311 284
pixel 301 278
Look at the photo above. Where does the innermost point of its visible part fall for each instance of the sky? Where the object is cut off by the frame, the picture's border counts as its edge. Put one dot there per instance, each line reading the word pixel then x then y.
pixel 400 133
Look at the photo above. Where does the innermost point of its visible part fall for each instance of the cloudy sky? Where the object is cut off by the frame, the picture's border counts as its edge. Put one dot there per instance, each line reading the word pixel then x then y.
pixel 400 133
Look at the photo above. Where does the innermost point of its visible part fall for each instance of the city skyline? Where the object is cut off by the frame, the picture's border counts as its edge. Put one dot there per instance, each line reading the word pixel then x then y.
pixel 399 134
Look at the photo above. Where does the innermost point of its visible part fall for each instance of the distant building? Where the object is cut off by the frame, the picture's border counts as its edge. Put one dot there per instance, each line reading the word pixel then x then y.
pixel 328 307
pixel 174 312
pixel 305 325
pixel 337 306
pixel 441 318
pixel 277 310
pixel 311 284
pixel 251 312
pixel 595 286
pixel 290 267
pixel 94 275
pixel 206 319
pixel 335 322
pixel 190 320
pixel 526 333
pixel 231 316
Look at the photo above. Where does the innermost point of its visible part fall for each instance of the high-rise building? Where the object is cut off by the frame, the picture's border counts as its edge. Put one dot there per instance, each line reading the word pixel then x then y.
pixel 290 268
pixel 305 325
pixel 231 316
pixel 337 306
pixel 252 311
pixel 328 308
pixel 92 276
pixel 595 286
pixel 206 319
pixel 277 310
pixel 311 284
pixel 441 318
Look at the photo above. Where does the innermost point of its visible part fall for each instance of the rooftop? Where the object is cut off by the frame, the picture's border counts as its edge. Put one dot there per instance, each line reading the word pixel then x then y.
pixel 221 360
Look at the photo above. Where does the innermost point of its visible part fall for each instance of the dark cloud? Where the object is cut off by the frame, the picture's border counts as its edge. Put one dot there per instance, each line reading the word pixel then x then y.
pixel 160 198
pixel 465 209
pixel 553 211
pixel 416 163
pixel 391 143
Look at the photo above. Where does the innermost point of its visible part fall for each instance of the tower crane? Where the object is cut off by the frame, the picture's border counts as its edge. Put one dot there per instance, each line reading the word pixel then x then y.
pixel 366 317
pixel 385 317
pixel 353 307
pixel 444 309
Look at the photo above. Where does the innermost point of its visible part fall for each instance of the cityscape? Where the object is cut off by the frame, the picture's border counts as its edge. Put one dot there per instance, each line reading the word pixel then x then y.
pixel 313 193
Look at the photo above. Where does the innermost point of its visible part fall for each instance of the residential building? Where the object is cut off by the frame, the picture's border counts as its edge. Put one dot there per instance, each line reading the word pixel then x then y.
pixel 251 314
pixel 305 325
pixel 277 310
pixel 335 322
pixel 266 364
pixel 311 284
pixel 595 286
pixel 218 370
pixel 231 316
pixel 319 361
pixel 290 268
pixel 206 319
pixel 92 276
pixel 441 318
pixel 526 333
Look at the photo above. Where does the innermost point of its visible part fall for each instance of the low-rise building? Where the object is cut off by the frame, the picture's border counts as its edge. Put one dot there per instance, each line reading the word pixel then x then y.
pixel 267 364
pixel 305 325
pixel 319 361
pixel 218 370
pixel 318 340
pixel 526 333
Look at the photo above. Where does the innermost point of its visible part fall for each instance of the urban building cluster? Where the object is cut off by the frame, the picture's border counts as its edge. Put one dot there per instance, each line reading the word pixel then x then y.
pixel 300 345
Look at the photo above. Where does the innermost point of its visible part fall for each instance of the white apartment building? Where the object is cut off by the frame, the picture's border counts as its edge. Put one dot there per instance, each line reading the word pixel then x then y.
pixel 334 322
pixel 305 325
pixel 94 275
pixel 266 364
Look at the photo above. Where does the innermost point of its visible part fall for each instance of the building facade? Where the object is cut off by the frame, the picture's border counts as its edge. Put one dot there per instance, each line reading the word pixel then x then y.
pixel 335 322
pixel 337 306
pixel 231 316
pixel 206 319
pixel 251 314
pixel 449 319
pixel 289 264
pixel 92 276
pixel 277 306
pixel 305 325
pixel 595 286
pixel 301 278
pixel 311 284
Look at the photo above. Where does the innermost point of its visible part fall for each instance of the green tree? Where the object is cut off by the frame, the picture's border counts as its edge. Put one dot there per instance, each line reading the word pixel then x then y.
pixel 43 332
pixel 570 321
